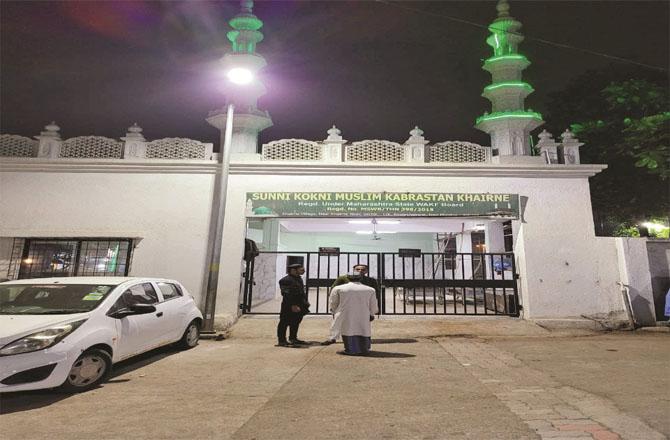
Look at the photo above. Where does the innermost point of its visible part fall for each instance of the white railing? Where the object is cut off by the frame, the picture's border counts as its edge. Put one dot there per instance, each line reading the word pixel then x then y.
pixel 97 147
pixel 293 150
pixel 178 148
pixel 375 151
pixel 458 152
pixel 12 145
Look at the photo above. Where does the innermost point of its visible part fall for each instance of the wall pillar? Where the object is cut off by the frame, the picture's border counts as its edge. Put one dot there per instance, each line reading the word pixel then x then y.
pixel 49 142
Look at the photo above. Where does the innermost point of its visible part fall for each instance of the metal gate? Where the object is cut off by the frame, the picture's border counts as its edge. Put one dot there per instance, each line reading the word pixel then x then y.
pixel 410 284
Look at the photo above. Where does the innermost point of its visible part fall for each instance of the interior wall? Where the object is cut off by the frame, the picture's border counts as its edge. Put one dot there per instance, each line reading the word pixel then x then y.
pixel 351 242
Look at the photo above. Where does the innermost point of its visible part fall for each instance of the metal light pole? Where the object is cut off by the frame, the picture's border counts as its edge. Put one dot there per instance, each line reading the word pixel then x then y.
pixel 213 275
pixel 238 75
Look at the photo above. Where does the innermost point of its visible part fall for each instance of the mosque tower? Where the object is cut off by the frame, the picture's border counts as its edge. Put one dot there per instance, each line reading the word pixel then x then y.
pixel 248 120
pixel 509 124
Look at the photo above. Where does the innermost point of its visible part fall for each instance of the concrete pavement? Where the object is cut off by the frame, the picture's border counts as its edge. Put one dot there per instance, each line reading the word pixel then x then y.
pixel 453 378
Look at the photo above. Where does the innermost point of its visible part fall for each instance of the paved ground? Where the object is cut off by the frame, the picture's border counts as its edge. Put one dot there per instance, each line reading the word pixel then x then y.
pixel 494 378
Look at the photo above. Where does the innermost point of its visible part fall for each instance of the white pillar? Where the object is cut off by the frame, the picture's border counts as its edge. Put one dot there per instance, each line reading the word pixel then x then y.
pixel 415 146
pixel 49 142
pixel 135 146
pixel 332 146
pixel 548 147
pixel 570 148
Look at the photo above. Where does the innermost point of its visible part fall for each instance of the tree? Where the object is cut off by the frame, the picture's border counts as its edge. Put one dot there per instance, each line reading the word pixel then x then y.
pixel 624 121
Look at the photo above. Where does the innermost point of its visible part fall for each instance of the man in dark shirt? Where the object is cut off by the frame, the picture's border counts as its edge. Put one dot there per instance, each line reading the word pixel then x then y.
pixel 366 280
pixel 294 306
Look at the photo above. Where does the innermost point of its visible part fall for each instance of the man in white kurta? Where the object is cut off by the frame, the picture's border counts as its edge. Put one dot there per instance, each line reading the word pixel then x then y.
pixel 354 306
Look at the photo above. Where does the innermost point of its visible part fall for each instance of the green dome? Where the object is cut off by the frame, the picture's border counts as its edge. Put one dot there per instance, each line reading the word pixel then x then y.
pixel 262 210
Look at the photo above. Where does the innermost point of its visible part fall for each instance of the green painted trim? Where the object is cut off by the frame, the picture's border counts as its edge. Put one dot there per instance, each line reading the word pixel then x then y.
pixel 506 58
pixel 509 115
pixel 245 23
pixel 519 84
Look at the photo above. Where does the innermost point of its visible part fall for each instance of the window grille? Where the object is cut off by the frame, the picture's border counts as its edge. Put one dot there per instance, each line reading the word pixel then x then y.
pixel 15 259
pixel 66 257
pixel 293 149
pixel 97 147
pixel 375 151
pixel 176 148
pixel 458 152
pixel 12 145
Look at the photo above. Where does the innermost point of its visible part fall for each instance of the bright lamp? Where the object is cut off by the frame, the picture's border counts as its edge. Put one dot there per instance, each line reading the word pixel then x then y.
pixel 240 75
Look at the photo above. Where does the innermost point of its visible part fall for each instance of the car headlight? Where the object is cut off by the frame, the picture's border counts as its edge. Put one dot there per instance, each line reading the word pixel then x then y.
pixel 40 340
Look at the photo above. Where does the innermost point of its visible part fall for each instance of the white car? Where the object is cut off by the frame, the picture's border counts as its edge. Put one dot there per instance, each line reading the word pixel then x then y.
pixel 67 332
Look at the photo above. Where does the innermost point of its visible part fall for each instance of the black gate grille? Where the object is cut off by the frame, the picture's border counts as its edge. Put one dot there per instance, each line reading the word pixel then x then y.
pixel 423 284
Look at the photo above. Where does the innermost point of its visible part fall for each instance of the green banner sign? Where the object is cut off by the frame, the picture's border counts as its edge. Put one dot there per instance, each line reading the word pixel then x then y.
pixel 380 204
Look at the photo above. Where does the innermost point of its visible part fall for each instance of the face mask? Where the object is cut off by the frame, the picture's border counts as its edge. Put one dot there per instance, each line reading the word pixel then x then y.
pixel 358 272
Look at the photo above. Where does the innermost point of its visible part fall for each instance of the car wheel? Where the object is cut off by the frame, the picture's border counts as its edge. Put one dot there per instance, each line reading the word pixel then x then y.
pixel 191 336
pixel 89 370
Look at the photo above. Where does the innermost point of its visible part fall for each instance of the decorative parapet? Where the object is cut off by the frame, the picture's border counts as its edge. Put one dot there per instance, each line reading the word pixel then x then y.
pixel 178 148
pixel 458 152
pixel 97 147
pixel 293 149
pixel 17 146
pixel 49 145
pixel 332 150
pixel 375 150
pixel 563 153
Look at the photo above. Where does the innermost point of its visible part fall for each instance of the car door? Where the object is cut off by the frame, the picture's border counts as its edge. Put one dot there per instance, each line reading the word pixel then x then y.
pixel 174 311
pixel 137 333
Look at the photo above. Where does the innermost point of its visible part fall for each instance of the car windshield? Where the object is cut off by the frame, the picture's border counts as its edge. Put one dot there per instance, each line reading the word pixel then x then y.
pixel 51 299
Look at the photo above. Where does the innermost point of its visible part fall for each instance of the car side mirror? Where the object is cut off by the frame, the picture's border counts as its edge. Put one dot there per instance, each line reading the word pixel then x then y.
pixel 142 309
pixel 135 309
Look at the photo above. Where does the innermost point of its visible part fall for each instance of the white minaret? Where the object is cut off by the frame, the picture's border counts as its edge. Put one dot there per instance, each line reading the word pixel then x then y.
pixel 248 120
pixel 509 124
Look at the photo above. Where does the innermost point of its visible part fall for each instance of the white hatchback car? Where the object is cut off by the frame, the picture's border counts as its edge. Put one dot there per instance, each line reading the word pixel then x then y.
pixel 67 332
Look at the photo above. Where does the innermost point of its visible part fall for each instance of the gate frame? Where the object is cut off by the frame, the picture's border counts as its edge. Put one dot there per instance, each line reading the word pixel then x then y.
pixel 511 306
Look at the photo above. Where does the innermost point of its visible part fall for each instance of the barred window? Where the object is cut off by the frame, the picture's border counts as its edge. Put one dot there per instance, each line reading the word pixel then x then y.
pixel 58 257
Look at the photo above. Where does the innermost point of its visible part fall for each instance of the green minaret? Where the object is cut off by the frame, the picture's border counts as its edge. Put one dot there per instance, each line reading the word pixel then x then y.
pixel 248 120
pixel 509 124
pixel 246 27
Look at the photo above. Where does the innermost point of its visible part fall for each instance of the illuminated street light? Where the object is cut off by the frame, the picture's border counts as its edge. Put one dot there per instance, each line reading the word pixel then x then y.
pixel 240 76
pixel 242 89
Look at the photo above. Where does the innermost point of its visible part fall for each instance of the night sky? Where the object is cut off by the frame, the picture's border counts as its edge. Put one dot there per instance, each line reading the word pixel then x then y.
pixel 373 69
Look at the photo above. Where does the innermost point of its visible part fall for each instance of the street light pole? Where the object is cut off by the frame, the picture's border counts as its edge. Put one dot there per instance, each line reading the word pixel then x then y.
pixel 215 257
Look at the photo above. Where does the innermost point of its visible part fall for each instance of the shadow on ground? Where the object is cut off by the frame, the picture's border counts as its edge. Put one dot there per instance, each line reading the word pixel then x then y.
pixel 28 400
pixel 380 354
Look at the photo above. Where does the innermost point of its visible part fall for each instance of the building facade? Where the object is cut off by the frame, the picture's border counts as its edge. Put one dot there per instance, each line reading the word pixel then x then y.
pixel 94 206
